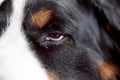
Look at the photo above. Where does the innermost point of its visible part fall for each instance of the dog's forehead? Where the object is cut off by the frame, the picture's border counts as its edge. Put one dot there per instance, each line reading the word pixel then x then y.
pixel 13 12
pixel 52 4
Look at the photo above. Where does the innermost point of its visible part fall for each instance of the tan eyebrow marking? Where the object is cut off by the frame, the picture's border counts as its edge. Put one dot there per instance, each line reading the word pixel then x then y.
pixel 108 71
pixel 52 76
pixel 40 18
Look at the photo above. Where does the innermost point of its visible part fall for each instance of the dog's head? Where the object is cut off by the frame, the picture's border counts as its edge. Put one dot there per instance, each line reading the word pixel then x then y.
pixel 57 40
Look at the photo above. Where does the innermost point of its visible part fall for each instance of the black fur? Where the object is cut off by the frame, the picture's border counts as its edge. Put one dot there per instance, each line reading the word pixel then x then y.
pixel 84 23
pixel 86 38
pixel 91 30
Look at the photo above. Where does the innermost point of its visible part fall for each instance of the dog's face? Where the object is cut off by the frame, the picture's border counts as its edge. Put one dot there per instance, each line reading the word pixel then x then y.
pixel 53 40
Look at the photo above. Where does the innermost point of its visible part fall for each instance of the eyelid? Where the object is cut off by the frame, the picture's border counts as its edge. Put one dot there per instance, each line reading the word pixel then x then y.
pixel 53 39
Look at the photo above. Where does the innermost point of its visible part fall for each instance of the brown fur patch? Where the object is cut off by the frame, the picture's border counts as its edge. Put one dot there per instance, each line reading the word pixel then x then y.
pixel 108 71
pixel 52 76
pixel 40 18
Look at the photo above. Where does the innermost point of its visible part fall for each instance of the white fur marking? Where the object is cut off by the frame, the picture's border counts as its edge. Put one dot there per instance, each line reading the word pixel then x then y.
pixel 17 61
pixel 1 1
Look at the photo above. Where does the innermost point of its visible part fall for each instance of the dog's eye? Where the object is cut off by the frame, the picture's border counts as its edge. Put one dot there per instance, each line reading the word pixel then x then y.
pixel 54 37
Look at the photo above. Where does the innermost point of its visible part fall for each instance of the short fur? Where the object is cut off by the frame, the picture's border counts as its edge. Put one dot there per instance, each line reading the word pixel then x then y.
pixel 79 40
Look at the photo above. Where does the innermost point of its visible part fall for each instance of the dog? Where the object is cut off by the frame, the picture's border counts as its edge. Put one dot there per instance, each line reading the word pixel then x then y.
pixel 59 39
